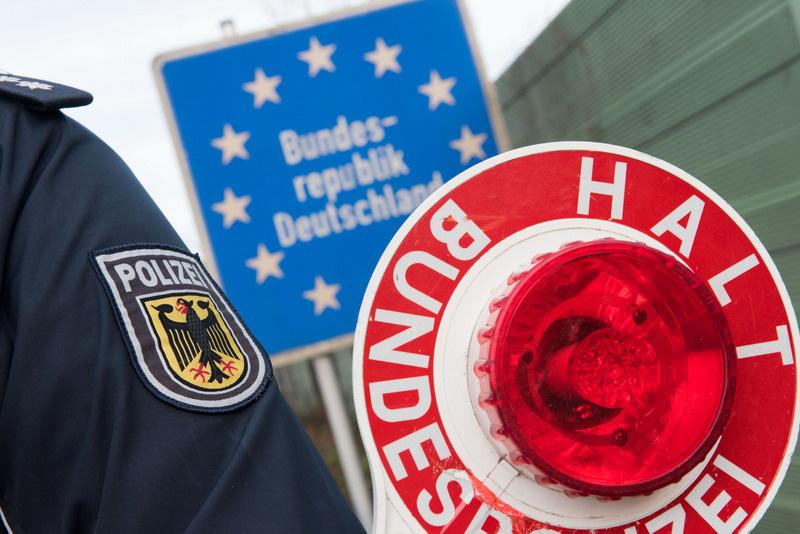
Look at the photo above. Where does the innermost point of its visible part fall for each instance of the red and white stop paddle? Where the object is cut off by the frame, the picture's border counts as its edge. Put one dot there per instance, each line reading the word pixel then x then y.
pixel 575 337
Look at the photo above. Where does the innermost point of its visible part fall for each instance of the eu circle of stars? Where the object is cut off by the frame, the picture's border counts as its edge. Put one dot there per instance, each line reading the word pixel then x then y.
pixel 420 74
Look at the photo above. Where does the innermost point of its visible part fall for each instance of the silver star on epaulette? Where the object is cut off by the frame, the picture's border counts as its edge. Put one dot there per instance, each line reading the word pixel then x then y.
pixel 34 85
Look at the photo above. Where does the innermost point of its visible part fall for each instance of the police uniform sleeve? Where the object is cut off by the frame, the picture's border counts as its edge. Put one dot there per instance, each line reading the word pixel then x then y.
pixel 85 444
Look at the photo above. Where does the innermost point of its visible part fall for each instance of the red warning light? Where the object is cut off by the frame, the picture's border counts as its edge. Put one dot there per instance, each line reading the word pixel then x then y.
pixel 610 369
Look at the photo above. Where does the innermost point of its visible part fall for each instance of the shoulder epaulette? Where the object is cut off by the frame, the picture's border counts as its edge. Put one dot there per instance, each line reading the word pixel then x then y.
pixel 41 95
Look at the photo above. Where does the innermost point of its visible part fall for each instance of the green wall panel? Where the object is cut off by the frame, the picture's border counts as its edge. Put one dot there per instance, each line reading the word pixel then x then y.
pixel 711 86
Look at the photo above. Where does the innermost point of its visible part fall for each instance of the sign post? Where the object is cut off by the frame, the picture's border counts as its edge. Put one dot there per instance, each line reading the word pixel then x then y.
pixel 343 437
pixel 305 147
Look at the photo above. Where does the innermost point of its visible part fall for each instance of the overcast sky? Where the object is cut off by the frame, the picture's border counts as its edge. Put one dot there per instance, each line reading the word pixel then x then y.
pixel 107 48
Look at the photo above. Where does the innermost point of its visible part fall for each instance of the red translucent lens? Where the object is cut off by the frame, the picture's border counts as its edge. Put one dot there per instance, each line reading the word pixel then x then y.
pixel 611 368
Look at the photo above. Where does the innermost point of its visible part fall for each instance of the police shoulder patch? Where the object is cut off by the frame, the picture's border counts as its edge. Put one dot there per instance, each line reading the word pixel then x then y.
pixel 186 341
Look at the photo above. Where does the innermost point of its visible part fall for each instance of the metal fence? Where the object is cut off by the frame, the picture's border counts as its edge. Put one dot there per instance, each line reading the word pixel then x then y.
pixel 712 87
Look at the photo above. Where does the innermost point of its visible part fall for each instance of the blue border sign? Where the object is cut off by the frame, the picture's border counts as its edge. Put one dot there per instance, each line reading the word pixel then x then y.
pixel 306 149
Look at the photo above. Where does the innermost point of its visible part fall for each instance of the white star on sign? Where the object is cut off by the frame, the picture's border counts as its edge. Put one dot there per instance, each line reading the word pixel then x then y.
pixel 323 295
pixel 34 85
pixel 263 88
pixel 232 208
pixel 384 57
pixel 470 145
pixel 266 264
pixel 231 144
pixel 318 57
pixel 10 79
pixel 438 90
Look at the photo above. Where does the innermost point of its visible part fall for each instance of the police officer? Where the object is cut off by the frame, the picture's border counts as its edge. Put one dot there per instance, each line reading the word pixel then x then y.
pixel 132 396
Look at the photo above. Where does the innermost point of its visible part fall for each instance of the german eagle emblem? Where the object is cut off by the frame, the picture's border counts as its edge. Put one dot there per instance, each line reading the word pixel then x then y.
pixel 195 343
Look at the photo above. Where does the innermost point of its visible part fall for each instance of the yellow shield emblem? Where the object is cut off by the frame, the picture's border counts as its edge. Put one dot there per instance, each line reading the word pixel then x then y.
pixel 195 342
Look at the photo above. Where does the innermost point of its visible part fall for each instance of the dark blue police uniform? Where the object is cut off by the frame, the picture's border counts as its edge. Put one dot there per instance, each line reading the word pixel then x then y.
pixel 132 397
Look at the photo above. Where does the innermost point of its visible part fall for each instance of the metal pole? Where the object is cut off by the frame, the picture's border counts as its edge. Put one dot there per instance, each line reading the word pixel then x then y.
pixel 228 28
pixel 343 437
